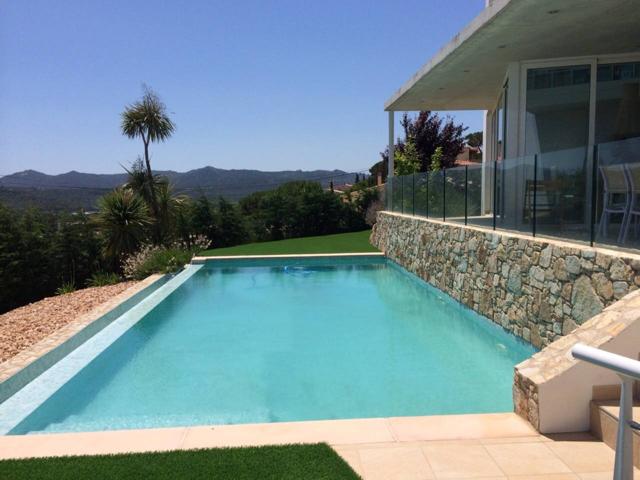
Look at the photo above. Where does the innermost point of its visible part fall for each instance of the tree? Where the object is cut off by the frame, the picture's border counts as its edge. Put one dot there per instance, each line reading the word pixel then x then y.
pixel 436 160
pixel 122 219
pixel 297 209
pixel 52 248
pixel 407 160
pixel 232 227
pixel 380 168
pixel 427 131
pixel 75 249
pixel 147 118
pixel 144 185
pixel 474 139
pixel 27 272
pixel 204 219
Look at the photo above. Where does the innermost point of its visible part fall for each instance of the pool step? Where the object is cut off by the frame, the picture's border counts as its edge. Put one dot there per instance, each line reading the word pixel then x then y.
pixel 604 424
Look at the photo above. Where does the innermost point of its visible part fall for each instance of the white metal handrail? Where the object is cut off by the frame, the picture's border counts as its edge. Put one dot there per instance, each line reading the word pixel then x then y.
pixel 628 370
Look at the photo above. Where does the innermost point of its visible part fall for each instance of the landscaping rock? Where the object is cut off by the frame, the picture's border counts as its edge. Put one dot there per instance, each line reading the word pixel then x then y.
pixel 584 300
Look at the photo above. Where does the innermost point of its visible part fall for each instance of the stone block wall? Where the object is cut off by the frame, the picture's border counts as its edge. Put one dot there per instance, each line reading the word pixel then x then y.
pixel 539 289
pixel 552 390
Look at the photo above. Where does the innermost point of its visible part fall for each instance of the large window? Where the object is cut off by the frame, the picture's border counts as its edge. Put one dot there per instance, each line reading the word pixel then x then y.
pixel 556 137
pixel 618 102
pixel 557 111
pixel 617 135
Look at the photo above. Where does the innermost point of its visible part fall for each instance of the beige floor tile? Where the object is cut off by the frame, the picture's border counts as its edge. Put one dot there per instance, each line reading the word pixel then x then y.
pixel 483 478
pixel 530 439
pixel 526 459
pixel 352 457
pixel 460 461
pixel 548 476
pixel 443 427
pixel 607 475
pixel 334 432
pixel 597 476
pixel 398 463
pixel 569 437
pixel 91 443
pixel 584 457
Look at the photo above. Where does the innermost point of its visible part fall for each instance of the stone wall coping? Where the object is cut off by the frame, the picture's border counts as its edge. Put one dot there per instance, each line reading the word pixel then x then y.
pixel 556 358
pixel 543 241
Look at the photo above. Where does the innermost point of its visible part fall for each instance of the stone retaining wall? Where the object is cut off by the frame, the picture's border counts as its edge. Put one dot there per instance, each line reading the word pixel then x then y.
pixel 552 390
pixel 539 289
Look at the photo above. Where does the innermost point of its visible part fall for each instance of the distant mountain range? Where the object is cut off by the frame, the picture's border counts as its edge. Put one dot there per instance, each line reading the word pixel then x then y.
pixel 74 190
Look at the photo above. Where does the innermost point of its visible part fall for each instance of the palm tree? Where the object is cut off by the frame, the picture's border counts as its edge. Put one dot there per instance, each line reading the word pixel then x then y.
pixel 138 181
pixel 147 118
pixel 123 219
pixel 160 191
pixel 169 206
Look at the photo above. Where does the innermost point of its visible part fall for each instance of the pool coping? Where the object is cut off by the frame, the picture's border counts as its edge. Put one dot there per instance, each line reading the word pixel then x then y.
pixel 204 258
pixel 32 361
pixel 359 431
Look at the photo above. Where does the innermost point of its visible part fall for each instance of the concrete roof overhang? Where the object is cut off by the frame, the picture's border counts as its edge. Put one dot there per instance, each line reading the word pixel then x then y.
pixel 467 73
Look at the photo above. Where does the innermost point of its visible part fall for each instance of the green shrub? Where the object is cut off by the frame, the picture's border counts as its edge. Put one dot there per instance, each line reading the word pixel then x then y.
pixel 101 279
pixel 151 260
pixel 66 287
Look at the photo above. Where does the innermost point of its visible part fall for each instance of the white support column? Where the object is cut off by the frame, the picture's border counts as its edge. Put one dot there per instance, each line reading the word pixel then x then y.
pixel 390 162
pixel 485 199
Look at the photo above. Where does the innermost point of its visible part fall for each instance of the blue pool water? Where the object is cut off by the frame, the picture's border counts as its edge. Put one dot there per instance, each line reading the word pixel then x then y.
pixel 274 341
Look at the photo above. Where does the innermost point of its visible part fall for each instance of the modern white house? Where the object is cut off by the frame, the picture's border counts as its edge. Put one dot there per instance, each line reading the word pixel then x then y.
pixel 559 81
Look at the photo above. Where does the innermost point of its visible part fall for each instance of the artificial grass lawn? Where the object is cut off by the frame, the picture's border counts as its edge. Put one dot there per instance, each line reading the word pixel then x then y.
pixel 353 242
pixel 298 462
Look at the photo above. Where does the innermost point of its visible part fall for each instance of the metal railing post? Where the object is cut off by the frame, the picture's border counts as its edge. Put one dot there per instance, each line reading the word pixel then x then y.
pixel 466 188
pixel 623 467
pixel 495 191
pixel 628 370
pixel 535 194
pixel 413 194
pixel 401 193
pixel 428 193
pixel 594 196
pixel 444 194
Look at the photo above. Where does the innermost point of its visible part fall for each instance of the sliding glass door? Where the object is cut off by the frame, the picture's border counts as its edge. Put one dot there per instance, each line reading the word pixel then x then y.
pixel 557 137
pixel 617 135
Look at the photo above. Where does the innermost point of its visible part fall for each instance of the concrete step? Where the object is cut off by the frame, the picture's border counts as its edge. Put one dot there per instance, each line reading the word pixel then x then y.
pixel 604 424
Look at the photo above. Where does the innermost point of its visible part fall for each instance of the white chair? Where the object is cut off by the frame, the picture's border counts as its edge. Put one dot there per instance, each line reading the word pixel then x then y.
pixel 633 177
pixel 616 198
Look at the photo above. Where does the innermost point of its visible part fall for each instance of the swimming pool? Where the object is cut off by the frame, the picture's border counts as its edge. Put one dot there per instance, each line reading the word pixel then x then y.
pixel 247 341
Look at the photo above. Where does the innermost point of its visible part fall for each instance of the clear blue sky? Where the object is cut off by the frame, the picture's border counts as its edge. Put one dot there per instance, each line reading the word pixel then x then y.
pixel 259 84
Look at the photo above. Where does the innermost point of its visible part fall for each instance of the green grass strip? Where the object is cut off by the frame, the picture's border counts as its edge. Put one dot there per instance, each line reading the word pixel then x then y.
pixel 285 462
pixel 353 242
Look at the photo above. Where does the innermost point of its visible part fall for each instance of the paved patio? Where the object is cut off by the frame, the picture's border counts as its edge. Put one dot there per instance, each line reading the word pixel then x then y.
pixel 435 447
pixel 533 457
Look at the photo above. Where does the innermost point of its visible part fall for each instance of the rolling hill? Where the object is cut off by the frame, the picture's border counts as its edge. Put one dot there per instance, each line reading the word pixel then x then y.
pixel 74 190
